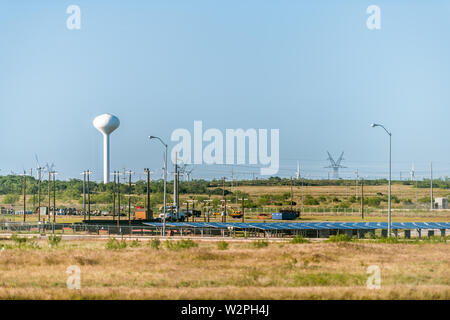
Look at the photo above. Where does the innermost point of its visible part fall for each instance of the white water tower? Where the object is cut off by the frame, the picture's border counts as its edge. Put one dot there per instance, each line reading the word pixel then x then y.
pixel 106 124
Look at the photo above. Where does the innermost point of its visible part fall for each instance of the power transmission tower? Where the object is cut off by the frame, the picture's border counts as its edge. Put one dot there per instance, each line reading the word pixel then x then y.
pixel 335 165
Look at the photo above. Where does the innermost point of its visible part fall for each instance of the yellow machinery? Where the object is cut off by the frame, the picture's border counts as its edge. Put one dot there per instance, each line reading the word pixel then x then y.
pixel 236 213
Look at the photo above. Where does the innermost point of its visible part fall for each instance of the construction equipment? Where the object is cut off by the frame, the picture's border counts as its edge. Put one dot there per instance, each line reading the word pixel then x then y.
pixel 235 213
pixel 216 213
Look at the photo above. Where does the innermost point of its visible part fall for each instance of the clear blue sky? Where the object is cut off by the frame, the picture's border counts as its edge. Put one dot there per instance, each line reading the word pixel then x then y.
pixel 310 68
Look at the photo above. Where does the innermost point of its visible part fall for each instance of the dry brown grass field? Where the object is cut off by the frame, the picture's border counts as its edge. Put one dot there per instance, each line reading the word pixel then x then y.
pixel 280 270
pixel 400 190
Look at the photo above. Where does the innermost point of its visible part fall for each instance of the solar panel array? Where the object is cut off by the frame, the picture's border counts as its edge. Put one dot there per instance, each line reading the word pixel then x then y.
pixel 306 225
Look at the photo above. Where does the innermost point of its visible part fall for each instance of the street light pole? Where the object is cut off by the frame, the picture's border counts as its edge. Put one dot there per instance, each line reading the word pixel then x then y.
pixel 165 182
pixel 373 125
pixel 84 194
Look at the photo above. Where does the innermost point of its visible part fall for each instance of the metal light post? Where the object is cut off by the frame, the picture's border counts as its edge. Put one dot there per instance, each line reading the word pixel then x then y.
pixel 54 173
pixel 24 194
pixel 165 181
pixel 88 174
pixel 84 194
pixel 373 125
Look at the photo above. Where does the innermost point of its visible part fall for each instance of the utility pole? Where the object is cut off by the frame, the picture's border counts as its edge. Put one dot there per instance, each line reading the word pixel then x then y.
pixel 356 184
pixel 224 218
pixel 362 198
pixel 88 173
pixel 24 194
pixel 49 196
pixel 114 195
pixel 129 194
pixel 302 196
pixel 175 184
pixel 148 172
pixel 207 207
pixel 84 194
pixel 39 194
pixel 117 173
pixel 243 208
pixel 34 192
pixel 292 194
pixel 187 210
pixel 431 187
pixel 118 200
pixel 178 195
pixel 54 200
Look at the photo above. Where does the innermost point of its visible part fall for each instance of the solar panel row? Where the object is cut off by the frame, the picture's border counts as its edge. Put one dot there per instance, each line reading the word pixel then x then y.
pixel 307 225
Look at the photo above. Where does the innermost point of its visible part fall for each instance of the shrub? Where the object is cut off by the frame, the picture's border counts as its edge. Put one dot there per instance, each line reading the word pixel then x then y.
pixel 387 240
pixel 299 239
pixel 222 245
pixel 339 238
pixel 18 240
pixel 11 198
pixel 53 240
pixel 116 244
pixel 181 244
pixel 154 244
pixel 310 201
pixel 135 243
pixel 260 243
pixel 24 242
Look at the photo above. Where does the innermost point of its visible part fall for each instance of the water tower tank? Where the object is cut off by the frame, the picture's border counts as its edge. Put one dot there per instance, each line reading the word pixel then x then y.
pixel 106 124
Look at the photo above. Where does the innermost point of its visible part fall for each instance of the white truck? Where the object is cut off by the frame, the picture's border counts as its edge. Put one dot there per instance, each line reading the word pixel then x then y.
pixel 172 215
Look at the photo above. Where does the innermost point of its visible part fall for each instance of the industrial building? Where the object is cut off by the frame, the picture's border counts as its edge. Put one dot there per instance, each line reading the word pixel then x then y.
pixel 441 203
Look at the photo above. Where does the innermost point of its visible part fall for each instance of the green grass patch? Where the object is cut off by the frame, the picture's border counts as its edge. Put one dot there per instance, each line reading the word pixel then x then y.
pixel 299 239
pixel 328 279
pixel 222 245
pixel 340 238
pixel 260 244
pixel 181 244
pixel 154 244
pixel 135 243
pixel 53 240
pixel 114 244
pixel 23 242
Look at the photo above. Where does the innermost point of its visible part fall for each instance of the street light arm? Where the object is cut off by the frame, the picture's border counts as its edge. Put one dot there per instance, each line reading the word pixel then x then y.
pixel 386 130
pixel 153 137
pixel 380 125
